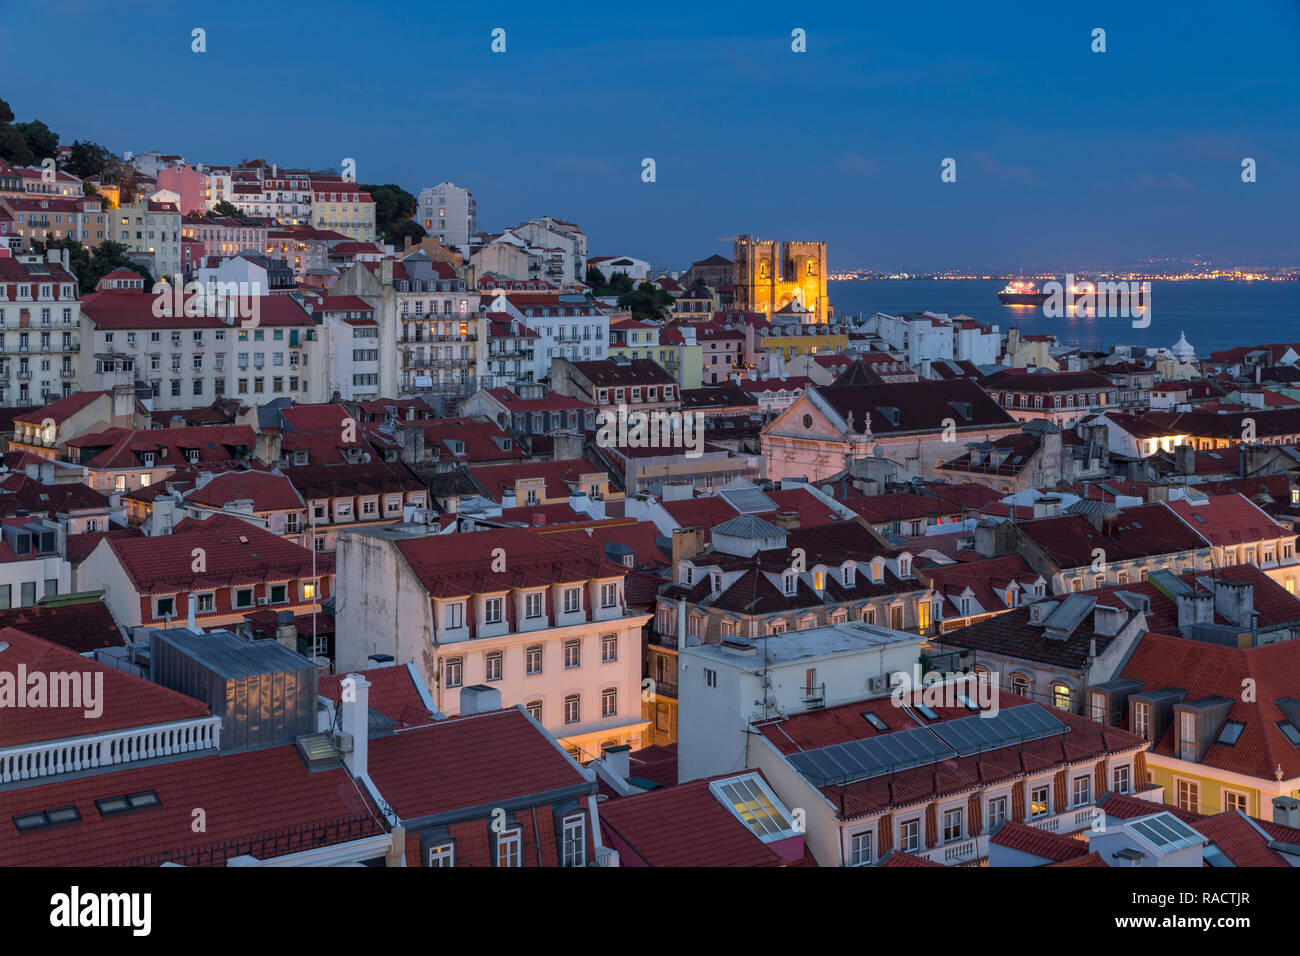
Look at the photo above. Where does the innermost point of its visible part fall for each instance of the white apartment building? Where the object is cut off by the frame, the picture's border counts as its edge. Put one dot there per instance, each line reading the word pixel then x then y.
pixel 40 322
pixel 723 687
pixel 567 326
pixel 546 623
pixel 191 360
pixel 563 247
pixel 448 213
pixel 152 230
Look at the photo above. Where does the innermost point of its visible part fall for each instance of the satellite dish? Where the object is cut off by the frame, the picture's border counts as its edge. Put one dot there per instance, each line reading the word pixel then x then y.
pixel 828 490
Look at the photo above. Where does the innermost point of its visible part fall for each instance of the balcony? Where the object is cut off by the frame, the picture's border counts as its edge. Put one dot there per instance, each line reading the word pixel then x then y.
pixel 958 852
pixel 25 374
pixel 1070 821
pixel 67 373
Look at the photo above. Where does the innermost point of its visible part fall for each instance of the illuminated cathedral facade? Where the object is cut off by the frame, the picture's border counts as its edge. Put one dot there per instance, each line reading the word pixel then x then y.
pixel 768 276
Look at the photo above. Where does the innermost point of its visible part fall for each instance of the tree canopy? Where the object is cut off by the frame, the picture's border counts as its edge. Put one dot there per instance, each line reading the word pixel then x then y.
pixel 394 209
pixel 89 266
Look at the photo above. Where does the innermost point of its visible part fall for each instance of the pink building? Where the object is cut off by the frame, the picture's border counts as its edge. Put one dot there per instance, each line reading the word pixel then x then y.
pixel 186 182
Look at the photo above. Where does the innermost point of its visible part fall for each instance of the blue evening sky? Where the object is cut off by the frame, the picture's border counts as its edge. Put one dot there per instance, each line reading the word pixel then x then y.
pixel 1065 158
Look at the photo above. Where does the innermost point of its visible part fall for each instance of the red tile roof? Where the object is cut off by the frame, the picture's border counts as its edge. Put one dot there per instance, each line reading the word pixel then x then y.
pixel 1039 843
pixel 247 796
pixel 1213 670
pixel 81 627
pixel 62 409
pixel 267 491
pixel 810 730
pixel 127 700
pixel 684 825
pixel 1230 520
pixel 392 692
pixel 468 762
pixel 236 553
pixel 461 565
pixel 558 476
pixel 1143 531
pixel 123 447
pixel 897 858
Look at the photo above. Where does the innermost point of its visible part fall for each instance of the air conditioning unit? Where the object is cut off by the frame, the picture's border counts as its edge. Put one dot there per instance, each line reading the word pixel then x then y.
pixel 878 683
pixel 343 743
pixel 263 600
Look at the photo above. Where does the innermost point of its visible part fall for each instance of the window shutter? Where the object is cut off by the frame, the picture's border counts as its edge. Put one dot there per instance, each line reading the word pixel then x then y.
pixel 1018 802
pixel 1140 771
pixel 1061 798
pixel 931 827
pixel 976 822
pixel 885 835
pixel 1100 786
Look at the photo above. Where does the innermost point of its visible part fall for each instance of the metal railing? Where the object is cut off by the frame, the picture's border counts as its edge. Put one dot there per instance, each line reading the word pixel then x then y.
pixel 268 845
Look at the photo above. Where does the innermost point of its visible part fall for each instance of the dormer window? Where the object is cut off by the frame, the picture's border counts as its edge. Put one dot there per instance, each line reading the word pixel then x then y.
pixel 1012 595
pixel 877 571
pixel 819 581
pixel 849 575
pixel 685 575
pixel 1035 614
pixel 904 567
pixel 790 582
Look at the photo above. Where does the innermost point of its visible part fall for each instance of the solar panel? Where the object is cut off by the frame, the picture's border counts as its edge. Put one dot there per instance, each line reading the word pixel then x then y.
pixel 889 753
pixel 863 759
pixel 749 501
pixel 969 735
pixel 1166 832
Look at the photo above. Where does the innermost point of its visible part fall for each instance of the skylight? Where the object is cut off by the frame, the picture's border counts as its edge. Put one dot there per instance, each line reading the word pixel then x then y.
pixel 1166 832
pixel 1230 732
pixel 750 800
pixel 926 712
pixel 130 801
pixel 875 721
pixel 46 818
pixel 1290 731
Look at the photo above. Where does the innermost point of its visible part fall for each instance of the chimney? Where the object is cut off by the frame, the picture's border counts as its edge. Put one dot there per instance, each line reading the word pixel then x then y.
pixel 787 520
pixel 194 607
pixel 619 760
pixel 507 499
pixel 1185 459
pixel 479 699
pixel 687 543
pixel 123 410
pixel 356 722
pixel 286 630
pixel 681 625
pixel 1286 811
pixel 267 447
pixel 1195 608
pixel 1235 600
pixel 1107 621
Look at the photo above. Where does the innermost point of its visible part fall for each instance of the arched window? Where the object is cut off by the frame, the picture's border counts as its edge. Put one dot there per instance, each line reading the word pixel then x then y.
pixel 1061 696
pixel 1020 685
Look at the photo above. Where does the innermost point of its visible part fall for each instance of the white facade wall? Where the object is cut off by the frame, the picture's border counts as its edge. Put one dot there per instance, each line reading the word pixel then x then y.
pixel 449 214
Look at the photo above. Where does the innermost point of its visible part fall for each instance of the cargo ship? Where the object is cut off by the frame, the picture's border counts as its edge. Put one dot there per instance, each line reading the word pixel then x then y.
pixel 1022 293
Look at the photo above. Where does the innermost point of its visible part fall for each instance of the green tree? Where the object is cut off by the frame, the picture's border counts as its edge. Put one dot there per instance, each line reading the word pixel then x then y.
pixel 13 147
pixel 88 159
pixel 224 208
pixel 6 112
pixel 394 207
pixel 646 301
pixel 41 140
pixel 91 266
pixel 595 279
